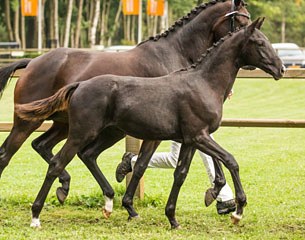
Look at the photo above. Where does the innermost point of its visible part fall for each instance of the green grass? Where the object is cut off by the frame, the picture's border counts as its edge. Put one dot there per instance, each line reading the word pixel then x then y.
pixel 271 163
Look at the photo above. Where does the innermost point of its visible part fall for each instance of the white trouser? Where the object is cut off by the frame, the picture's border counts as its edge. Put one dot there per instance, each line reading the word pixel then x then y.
pixel 170 159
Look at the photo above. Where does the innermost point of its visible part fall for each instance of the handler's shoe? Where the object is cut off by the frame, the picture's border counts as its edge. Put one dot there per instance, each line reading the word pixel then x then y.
pixel 226 207
pixel 124 167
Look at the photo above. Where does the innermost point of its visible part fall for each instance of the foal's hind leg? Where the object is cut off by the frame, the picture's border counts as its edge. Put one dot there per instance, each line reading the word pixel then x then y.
pixel 44 145
pixel 107 138
pixel 79 136
pixel 20 132
pixel 146 151
pixel 56 166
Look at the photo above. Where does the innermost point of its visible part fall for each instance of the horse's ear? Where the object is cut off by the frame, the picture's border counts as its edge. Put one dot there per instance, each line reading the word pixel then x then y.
pixel 237 3
pixel 259 25
pixel 250 29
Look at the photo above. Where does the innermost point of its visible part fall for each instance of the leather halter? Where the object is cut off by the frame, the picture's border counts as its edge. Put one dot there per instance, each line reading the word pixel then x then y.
pixel 233 14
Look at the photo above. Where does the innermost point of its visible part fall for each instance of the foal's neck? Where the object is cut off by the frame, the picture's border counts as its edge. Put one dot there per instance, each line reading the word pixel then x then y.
pixel 220 67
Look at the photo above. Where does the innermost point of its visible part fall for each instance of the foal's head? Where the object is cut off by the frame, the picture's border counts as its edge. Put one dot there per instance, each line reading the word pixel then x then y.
pixel 257 51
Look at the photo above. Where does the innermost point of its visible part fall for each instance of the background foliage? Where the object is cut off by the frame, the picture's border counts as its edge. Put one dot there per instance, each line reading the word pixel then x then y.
pixel 285 21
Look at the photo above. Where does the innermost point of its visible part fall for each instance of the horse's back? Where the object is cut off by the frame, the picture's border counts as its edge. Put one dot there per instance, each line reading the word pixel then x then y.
pixel 59 67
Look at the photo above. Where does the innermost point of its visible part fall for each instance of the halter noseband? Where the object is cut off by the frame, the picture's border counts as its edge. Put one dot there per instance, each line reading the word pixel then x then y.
pixel 233 14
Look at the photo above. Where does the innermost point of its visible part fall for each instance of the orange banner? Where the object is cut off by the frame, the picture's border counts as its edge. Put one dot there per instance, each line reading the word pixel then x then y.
pixel 29 7
pixel 131 7
pixel 155 7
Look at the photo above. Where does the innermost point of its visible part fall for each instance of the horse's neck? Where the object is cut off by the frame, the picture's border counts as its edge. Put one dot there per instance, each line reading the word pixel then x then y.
pixel 187 42
pixel 164 52
pixel 196 36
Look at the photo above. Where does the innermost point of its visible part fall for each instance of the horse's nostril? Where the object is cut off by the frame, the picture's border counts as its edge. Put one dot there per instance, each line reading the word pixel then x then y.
pixel 283 69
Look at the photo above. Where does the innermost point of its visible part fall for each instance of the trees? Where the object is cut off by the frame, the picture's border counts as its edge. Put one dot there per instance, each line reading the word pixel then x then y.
pixel 85 23
pixel 8 20
pixel 284 19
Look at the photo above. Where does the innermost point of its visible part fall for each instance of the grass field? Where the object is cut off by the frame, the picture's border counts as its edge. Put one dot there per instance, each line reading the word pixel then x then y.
pixel 272 166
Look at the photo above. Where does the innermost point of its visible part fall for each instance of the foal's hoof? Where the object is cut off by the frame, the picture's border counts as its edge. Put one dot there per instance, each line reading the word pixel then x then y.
pixel 106 213
pixel 130 218
pixel 176 227
pixel 35 223
pixel 61 195
pixel 235 218
pixel 209 197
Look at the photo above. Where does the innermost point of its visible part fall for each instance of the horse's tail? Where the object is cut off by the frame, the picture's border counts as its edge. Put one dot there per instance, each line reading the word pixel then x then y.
pixel 7 71
pixel 44 108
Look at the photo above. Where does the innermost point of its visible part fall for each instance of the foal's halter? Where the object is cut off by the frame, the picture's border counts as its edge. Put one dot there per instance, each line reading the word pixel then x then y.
pixel 233 14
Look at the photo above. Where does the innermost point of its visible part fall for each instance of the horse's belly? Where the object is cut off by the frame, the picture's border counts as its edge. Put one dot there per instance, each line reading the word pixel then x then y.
pixel 151 129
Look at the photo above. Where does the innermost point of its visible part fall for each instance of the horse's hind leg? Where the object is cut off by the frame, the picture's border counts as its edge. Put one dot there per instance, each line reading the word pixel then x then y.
pixel 107 138
pixel 20 132
pixel 180 174
pixel 146 151
pixel 44 145
pixel 220 181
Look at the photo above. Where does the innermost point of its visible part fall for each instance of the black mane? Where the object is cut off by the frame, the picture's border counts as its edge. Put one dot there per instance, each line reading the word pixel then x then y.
pixel 185 19
pixel 211 49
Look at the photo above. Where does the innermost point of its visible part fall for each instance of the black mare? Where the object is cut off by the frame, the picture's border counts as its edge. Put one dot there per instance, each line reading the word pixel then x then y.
pixel 185 105
pixel 176 48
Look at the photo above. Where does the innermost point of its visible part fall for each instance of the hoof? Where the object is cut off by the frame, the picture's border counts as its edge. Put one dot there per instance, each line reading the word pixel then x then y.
pixel 130 218
pixel 235 218
pixel 106 213
pixel 35 223
pixel 209 197
pixel 178 227
pixel 61 195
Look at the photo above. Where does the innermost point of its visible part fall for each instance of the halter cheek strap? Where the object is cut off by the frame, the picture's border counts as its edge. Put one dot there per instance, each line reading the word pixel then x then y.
pixel 233 14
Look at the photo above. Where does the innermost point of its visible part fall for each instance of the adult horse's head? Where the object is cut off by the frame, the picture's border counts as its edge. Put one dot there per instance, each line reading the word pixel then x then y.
pixel 236 16
pixel 257 51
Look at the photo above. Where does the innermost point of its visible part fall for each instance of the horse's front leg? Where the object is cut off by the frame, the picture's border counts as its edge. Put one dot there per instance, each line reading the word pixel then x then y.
pixel 146 151
pixel 181 171
pixel 207 145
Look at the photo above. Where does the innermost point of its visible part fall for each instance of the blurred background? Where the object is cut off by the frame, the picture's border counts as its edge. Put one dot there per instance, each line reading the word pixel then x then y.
pixel 99 24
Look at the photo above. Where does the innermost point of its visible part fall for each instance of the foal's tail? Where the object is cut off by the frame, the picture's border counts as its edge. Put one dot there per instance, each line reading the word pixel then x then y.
pixel 7 71
pixel 44 108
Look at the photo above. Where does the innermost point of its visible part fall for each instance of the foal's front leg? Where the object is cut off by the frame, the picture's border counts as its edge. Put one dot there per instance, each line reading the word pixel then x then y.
pixel 181 171
pixel 207 145
pixel 146 152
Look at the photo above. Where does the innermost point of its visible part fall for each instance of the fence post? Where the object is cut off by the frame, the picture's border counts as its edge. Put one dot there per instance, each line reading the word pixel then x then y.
pixel 133 145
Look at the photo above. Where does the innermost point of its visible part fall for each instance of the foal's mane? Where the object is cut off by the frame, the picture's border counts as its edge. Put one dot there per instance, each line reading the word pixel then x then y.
pixel 211 50
pixel 185 19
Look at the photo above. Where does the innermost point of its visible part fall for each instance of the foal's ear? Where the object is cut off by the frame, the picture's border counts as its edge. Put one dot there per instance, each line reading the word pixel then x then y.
pixel 255 24
pixel 259 25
